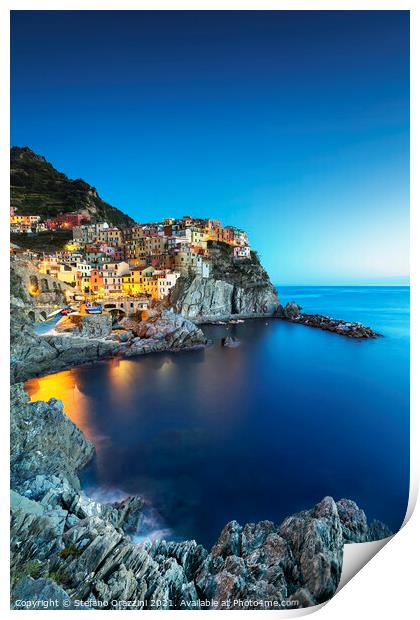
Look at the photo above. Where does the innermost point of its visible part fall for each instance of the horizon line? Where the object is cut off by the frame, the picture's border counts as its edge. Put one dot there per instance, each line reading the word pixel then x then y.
pixel 342 285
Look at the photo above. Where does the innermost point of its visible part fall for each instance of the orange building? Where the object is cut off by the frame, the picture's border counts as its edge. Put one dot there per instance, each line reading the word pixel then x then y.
pixel 96 282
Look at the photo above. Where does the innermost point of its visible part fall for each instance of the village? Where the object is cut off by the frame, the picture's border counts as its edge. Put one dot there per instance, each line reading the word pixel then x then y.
pixel 105 267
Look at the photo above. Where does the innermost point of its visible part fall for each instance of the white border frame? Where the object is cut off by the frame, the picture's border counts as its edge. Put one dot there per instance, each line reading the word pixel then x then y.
pixel 387 585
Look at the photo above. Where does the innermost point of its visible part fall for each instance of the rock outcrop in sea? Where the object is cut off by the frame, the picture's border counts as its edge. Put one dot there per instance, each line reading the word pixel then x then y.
pixel 292 312
pixel 65 543
pixel 236 288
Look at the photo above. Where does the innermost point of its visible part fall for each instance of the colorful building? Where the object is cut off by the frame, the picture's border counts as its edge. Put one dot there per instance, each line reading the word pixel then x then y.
pixel 166 282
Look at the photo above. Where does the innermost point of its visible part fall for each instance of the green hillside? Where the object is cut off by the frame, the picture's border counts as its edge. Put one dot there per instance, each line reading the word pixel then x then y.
pixel 37 188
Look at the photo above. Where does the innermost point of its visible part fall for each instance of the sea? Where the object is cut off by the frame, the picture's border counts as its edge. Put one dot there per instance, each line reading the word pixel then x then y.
pixel 255 432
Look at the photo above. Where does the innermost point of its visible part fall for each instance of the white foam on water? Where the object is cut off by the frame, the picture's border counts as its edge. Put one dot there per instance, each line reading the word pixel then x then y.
pixel 151 525
pixel 105 495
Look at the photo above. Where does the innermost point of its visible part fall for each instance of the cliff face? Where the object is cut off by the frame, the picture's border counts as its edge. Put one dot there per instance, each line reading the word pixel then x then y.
pixel 236 288
pixel 31 287
pixel 66 543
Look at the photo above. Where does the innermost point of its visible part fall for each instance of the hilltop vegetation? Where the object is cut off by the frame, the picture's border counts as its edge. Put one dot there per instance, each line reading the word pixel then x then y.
pixel 37 188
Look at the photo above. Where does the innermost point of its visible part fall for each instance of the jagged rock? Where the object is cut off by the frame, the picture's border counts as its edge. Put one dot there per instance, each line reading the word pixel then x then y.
pixel 31 593
pixel 87 325
pixel 300 560
pixel 44 440
pixel 230 341
pixel 291 310
pixel 377 531
pixel 316 541
pixel 122 335
pixel 121 570
pixel 33 541
pixel 165 331
pixel 355 526
pixel 188 554
pixel 279 312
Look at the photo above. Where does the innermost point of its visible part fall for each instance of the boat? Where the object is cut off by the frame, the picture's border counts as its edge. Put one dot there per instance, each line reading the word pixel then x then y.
pixel 55 313
pixel 94 309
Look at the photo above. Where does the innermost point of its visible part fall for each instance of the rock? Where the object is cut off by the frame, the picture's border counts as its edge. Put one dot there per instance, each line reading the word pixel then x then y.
pixel 44 441
pixel 121 335
pixel 129 513
pixel 258 564
pixel 208 299
pixel 355 526
pixel 279 312
pixel 299 560
pixel 87 325
pixel 31 593
pixel 377 531
pixel 31 286
pixel 316 541
pixel 233 290
pixel 164 331
pixel 121 570
pixel 291 310
pixel 337 326
pixel 32 355
pixel 230 341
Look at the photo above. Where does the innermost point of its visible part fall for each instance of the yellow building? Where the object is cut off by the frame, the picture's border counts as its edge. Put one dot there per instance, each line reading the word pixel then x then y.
pixel 69 276
pixel 198 237
pixel 141 282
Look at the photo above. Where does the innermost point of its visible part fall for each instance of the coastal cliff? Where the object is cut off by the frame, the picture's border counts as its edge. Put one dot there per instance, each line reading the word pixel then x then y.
pixel 64 543
pixel 236 288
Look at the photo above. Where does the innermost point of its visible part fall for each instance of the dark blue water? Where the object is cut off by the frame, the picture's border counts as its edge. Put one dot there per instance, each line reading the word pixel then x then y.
pixel 259 431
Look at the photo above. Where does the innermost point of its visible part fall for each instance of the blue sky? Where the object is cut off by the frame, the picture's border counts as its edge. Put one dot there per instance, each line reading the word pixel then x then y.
pixel 293 125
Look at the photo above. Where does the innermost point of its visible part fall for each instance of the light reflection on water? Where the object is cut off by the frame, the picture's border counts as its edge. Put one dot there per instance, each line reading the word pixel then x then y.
pixel 256 432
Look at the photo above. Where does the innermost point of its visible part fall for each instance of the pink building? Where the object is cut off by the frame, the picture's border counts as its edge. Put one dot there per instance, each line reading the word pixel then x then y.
pixel 66 220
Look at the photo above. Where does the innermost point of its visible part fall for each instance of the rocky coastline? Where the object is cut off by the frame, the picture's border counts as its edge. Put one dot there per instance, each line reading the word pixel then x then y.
pixel 75 549
pixel 67 547
pixel 76 341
